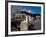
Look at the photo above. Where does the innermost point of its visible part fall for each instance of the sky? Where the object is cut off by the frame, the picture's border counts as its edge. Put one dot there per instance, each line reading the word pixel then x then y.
pixel 33 9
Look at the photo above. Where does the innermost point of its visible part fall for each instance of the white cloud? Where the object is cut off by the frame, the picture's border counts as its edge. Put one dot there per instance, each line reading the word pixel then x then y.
pixel 29 11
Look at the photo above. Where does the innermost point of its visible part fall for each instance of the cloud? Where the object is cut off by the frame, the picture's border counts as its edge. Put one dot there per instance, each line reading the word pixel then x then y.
pixel 29 11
